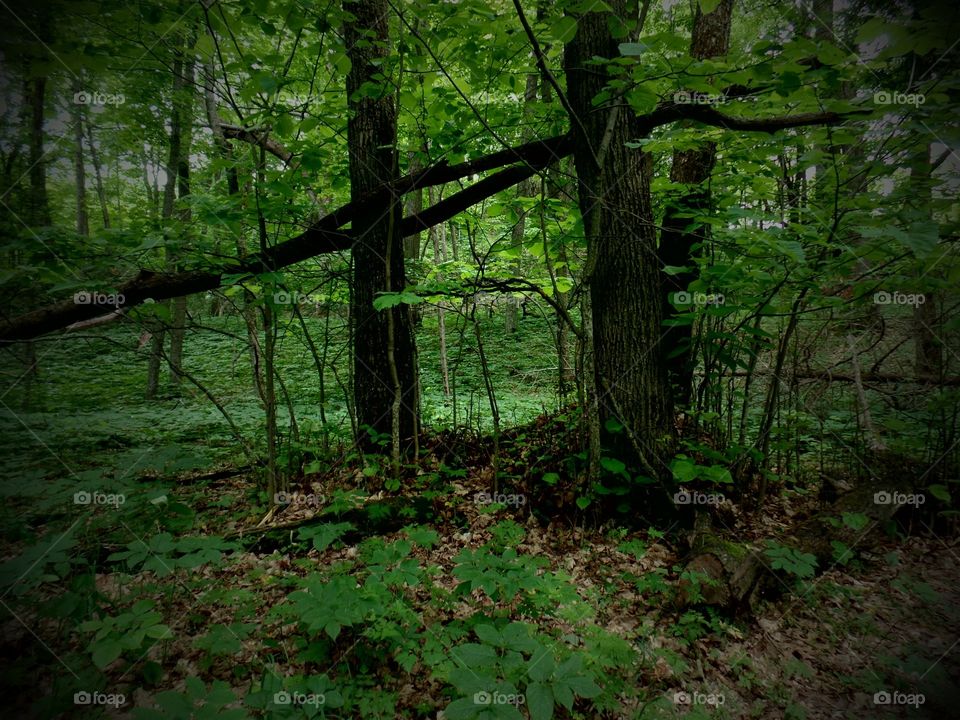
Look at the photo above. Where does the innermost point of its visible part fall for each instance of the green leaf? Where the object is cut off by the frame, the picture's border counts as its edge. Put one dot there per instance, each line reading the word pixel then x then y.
pixel 632 49
pixel 684 469
pixel 708 6
pixel 474 655
pixel 612 425
pixel 105 652
pixel 940 492
pixel 489 635
pixel 717 474
pixel 159 632
pixel 539 701
pixel 323 535
pixel 564 28
pixel 584 686
pixel 613 465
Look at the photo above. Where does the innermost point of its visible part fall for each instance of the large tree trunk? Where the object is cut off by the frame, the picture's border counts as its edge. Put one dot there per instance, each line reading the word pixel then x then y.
pixel 710 38
pixel 384 373
pixel 622 273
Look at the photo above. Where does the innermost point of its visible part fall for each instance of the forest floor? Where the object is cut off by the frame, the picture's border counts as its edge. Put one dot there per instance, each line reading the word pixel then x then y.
pixel 889 621
pixel 599 589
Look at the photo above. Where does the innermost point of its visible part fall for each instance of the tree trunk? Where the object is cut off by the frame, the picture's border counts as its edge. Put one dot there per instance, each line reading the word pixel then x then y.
pixel 384 382
pixel 412 243
pixel 438 236
pixel 79 170
pixel 39 203
pixel 928 350
pixel 98 176
pixel 185 117
pixel 622 273
pixel 710 38
pixel 175 160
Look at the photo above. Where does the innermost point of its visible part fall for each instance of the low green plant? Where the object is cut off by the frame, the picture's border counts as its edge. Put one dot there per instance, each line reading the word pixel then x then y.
pixel 163 553
pixel 128 631
pixel 196 701
pixel 799 564
pixel 511 667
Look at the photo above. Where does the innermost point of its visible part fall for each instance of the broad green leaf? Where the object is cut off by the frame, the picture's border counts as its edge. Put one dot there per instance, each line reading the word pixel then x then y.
pixel 564 28
pixel 105 652
pixel 539 701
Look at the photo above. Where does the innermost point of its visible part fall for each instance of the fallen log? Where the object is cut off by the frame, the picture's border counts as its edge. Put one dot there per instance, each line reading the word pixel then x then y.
pixel 733 576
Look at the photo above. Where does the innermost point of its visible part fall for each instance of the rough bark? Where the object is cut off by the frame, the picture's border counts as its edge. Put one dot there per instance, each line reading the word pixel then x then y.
pixel 383 340
pixel 622 273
